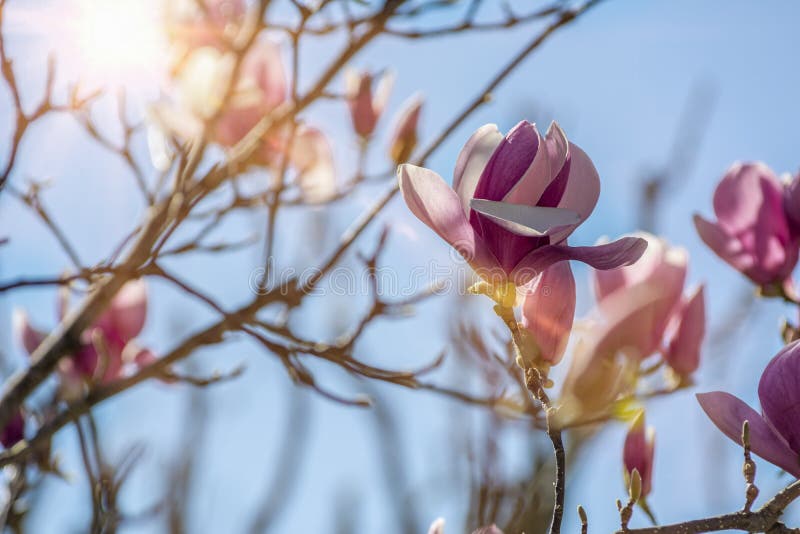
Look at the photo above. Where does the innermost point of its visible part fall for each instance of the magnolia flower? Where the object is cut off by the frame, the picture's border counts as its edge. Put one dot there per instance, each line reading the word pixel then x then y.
pixel 261 88
pixel 107 345
pixel 599 373
pixel 514 202
pixel 775 432
pixel 312 157
pixel 649 296
pixel 752 231
pixel 191 25
pixel 638 453
pixel 201 87
pixel 549 309
pixel 404 137
pixel 366 107
pixel 14 431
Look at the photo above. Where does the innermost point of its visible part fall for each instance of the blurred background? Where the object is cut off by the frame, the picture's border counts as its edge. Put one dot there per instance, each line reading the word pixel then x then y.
pixel 662 95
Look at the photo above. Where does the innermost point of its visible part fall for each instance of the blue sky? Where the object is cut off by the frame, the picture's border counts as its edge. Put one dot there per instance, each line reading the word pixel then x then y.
pixel 617 81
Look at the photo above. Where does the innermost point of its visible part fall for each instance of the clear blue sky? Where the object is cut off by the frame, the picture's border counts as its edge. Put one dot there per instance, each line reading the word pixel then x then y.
pixel 617 81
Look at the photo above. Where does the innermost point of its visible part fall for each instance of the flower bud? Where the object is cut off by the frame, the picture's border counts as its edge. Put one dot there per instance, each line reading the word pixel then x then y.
pixel 637 458
pixel 366 107
pixel 404 138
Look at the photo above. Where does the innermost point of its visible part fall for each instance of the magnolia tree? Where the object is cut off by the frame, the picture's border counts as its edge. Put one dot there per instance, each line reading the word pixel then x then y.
pixel 234 130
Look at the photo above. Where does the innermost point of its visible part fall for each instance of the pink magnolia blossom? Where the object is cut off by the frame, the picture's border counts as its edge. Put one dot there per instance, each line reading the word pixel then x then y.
pixel 261 88
pixel 549 310
pixel 107 346
pixel 550 184
pixel 366 107
pixel 404 138
pixel 752 231
pixel 312 158
pixel 775 432
pixel 191 26
pixel 649 296
pixel 791 203
pixel 638 452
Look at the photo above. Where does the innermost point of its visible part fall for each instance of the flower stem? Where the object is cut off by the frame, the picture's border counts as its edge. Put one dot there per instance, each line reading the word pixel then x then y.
pixel 535 382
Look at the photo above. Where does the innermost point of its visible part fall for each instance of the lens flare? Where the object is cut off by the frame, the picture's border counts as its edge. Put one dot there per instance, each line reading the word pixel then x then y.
pixel 118 40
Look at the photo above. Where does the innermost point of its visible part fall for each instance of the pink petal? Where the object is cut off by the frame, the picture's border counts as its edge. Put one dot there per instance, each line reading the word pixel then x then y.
pixel 126 314
pixel 723 244
pixel 740 195
pixel 312 156
pixel 472 160
pixel 28 337
pixel 791 203
pixel 624 251
pixel 582 189
pixel 360 102
pixel 404 137
pixel 779 392
pixel 544 168
pixel 263 64
pixel 435 204
pixel 660 274
pixel 509 162
pixel 638 452
pixel 659 256
pixel 549 310
pixel 683 351
pixel 728 413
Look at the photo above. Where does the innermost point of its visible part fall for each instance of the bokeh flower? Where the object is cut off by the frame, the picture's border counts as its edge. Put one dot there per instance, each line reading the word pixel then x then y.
pixel 648 296
pixel 404 137
pixel 106 346
pixel 366 106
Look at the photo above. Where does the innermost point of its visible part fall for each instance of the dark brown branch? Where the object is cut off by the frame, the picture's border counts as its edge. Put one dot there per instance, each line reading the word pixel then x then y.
pixel 763 520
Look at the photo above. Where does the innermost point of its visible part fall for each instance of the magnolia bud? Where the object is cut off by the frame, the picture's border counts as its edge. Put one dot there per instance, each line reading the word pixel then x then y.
pixel 405 137
pixel 638 458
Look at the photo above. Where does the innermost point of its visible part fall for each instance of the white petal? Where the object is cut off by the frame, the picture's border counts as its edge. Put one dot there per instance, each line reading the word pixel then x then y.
pixel 525 220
